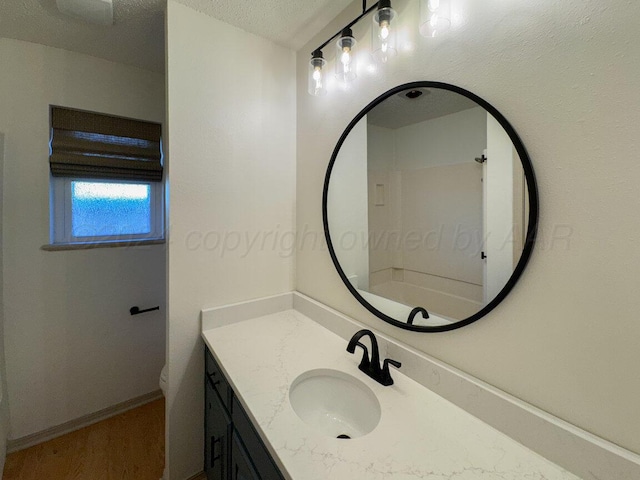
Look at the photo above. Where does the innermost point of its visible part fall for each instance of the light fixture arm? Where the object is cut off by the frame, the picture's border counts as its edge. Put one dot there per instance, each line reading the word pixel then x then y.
pixel 365 12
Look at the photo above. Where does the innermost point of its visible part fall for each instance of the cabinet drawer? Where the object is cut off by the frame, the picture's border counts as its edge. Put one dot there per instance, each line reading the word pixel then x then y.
pixel 261 458
pixel 217 379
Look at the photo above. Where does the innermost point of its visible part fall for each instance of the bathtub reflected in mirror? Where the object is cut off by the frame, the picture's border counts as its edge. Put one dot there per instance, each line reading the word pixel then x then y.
pixel 430 202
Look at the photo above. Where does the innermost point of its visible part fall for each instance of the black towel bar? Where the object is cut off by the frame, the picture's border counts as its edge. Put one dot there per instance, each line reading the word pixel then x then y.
pixel 137 311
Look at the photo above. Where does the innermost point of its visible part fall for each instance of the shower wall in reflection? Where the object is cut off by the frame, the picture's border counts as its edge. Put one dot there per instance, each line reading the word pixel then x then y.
pixel 425 212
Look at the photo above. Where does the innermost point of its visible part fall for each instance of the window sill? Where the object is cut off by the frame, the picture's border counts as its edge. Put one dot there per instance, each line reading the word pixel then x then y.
pixel 57 247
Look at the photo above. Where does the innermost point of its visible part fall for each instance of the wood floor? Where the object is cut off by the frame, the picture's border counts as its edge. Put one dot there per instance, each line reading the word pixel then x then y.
pixel 129 446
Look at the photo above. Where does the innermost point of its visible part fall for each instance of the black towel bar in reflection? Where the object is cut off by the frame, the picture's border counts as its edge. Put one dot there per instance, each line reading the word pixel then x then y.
pixel 137 311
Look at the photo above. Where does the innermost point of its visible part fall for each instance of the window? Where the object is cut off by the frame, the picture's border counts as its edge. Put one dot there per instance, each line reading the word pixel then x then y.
pixel 106 178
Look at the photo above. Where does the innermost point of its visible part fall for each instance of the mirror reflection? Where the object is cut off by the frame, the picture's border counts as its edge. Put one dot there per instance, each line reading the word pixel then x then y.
pixel 427 207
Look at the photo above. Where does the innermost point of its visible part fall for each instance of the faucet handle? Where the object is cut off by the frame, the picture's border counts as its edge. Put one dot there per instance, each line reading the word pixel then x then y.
pixel 386 379
pixel 364 363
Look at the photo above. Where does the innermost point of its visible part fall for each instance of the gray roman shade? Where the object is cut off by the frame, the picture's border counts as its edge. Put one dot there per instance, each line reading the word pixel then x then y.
pixel 92 145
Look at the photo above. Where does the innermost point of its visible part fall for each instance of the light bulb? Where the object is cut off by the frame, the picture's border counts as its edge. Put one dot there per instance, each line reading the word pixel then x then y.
pixel 317 77
pixel 345 58
pixel 383 38
pixel 434 4
pixel 384 30
pixel 316 84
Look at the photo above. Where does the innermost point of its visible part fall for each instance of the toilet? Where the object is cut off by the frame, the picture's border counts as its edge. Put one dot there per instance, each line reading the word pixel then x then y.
pixel 163 380
pixel 163 386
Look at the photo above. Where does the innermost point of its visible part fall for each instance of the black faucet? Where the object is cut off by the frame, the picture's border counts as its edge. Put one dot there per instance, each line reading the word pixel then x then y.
pixel 372 366
pixel 416 311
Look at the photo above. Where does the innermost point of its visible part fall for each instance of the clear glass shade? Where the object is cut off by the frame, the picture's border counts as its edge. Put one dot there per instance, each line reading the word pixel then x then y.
pixel 383 41
pixel 345 59
pixel 435 17
pixel 317 80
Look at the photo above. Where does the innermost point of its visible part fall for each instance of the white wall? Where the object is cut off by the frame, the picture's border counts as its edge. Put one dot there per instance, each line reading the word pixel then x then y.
pixel 381 148
pixel 381 157
pixel 4 411
pixel 71 346
pixel 565 75
pixel 438 211
pixel 500 210
pixel 443 204
pixel 442 193
pixel 231 114
pixel 348 194
pixel 448 140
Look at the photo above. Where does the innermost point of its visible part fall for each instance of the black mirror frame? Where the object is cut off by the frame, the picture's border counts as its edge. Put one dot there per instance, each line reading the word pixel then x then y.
pixel 533 206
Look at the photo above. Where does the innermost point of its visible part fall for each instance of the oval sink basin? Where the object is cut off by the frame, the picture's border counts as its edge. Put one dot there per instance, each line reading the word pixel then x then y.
pixel 335 403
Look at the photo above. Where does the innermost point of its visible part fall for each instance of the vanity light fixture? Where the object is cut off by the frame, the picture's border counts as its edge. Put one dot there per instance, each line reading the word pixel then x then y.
pixel 435 17
pixel 345 56
pixel 383 36
pixel 317 85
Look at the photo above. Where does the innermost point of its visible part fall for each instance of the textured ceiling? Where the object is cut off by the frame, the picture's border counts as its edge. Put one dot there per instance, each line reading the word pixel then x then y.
pixel 137 36
pixel 291 23
pixel 398 111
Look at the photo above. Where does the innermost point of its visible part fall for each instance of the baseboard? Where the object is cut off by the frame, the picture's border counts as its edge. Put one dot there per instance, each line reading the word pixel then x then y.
pixel 78 423
pixel 198 476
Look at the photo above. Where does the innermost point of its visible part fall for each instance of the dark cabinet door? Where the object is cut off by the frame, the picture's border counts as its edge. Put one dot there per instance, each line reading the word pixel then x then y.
pixel 260 457
pixel 241 466
pixel 218 380
pixel 233 448
pixel 217 436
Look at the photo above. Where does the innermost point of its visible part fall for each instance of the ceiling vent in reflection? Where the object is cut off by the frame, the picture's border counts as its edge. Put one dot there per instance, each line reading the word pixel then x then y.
pixel 414 93
pixel 99 12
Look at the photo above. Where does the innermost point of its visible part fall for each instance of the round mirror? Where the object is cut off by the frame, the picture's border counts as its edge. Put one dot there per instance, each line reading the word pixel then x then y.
pixel 430 207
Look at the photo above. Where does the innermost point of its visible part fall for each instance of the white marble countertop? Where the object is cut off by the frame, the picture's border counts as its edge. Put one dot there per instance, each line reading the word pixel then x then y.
pixel 420 434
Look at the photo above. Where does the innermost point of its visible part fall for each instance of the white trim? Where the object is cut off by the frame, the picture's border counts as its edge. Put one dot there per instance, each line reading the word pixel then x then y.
pixel 237 312
pixel 59 247
pixel 198 476
pixel 78 423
